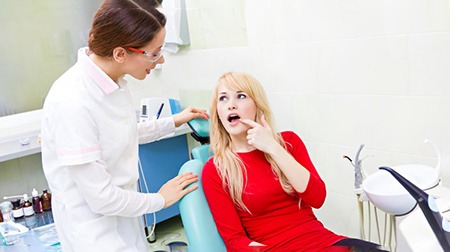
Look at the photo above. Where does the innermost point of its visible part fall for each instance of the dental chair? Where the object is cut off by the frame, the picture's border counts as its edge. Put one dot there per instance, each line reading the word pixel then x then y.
pixel 199 225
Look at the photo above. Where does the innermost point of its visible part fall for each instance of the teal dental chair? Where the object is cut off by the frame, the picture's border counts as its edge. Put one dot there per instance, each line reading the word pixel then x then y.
pixel 195 214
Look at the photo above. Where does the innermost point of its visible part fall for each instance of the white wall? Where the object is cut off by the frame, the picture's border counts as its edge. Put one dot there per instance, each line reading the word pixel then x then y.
pixel 339 73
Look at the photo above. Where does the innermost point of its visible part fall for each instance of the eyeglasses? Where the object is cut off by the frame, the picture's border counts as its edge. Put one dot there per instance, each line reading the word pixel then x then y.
pixel 152 57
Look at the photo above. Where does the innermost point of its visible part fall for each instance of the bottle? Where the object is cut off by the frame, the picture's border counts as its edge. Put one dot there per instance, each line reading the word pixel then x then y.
pixel 46 199
pixel 27 206
pixel 6 208
pixel 36 200
pixel 17 210
pixel 1 216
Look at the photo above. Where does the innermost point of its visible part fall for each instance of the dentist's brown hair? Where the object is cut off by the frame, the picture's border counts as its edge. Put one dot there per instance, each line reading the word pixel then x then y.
pixel 121 23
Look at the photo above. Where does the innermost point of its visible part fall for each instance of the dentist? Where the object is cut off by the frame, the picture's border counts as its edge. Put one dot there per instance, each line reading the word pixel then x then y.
pixel 90 136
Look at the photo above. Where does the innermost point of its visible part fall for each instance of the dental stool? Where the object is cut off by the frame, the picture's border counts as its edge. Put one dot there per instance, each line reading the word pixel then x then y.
pixel 199 225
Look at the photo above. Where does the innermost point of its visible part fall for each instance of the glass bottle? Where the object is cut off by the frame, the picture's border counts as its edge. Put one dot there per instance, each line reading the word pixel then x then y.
pixel 36 200
pixel 6 208
pixel 27 206
pixel 46 199
pixel 17 210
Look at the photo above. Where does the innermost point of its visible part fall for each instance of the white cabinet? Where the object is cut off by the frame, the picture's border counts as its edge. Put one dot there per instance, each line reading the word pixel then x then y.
pixel 17 128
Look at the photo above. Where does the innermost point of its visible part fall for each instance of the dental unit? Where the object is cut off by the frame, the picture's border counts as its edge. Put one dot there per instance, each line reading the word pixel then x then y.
pixel 427 203
pixel 387 191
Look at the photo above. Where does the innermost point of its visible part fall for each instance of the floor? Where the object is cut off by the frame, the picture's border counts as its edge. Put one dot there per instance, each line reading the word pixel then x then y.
pixel 170 236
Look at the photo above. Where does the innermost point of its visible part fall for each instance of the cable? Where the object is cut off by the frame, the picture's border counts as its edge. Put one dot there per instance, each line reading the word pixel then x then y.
pixel 146 190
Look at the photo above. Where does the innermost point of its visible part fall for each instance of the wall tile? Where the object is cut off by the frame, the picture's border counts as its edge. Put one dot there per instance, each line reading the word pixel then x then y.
pixel 340 214
pixel 365 66
pixel 429 64
pixel 282 108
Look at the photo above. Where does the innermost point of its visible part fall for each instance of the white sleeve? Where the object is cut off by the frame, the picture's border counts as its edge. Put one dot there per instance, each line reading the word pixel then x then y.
pixel 153 130
pixel 94 184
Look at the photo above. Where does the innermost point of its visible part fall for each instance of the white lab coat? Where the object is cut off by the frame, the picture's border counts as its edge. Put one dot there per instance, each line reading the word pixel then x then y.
pixel 90 159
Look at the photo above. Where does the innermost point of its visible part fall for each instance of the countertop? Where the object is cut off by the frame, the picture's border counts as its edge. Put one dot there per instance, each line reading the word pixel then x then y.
pixel 41 236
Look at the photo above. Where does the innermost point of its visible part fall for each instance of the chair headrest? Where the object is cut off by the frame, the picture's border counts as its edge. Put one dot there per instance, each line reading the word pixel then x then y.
pixel 200 130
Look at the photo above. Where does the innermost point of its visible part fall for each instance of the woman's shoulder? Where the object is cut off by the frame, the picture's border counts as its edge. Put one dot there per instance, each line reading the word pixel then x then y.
pixel 209 163
pixel 293 141
pixel 209 167
pixel 289 136
pixel 209 172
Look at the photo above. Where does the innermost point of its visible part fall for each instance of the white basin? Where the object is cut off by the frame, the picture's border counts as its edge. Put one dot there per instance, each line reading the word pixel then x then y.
pixel 387 194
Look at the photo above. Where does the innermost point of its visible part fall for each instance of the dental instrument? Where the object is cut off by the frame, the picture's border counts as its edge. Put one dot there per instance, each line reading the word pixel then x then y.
pixel 371 209
pixel 357 165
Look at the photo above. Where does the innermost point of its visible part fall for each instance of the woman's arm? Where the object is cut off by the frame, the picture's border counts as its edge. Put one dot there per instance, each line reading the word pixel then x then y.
pixel 295 165
pixel 153 130
pixel 94 184
pixel 260 136
pixel 188 114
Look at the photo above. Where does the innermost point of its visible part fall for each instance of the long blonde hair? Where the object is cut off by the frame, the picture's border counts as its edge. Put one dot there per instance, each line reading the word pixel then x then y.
pixel 228 164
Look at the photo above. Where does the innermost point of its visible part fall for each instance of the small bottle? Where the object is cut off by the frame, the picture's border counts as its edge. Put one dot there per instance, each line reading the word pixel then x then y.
pixel 36 200
pixel 17 210
pixel 6 208
pixel 27 206
pixel 46 199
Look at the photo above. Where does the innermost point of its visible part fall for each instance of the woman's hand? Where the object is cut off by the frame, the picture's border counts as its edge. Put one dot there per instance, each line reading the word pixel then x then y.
pixel 188 114
pixel 260 136
pixel 175 189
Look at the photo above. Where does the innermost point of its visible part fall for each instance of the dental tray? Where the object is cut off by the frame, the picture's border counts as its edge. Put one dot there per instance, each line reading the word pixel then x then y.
pixel 11 231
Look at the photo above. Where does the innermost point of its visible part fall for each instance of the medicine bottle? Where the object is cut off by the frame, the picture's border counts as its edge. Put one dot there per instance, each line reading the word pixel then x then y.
pixel 6 208
pixel 36 200
pixel 46 199
pixel 27 206
pixel 17 210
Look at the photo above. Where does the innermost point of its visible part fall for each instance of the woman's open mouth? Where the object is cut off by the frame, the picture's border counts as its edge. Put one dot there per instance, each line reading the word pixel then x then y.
pixel 233 118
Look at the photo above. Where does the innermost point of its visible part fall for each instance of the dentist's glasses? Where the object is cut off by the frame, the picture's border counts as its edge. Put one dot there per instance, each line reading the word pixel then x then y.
pixel 152 57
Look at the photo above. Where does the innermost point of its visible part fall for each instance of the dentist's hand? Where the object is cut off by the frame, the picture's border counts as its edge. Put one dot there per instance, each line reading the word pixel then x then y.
pixel 175 189
pixel 188 114
pixel 260 136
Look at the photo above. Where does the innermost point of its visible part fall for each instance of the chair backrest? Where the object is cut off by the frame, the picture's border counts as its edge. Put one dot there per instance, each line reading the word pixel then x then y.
pixel 202 153
pixel 199 225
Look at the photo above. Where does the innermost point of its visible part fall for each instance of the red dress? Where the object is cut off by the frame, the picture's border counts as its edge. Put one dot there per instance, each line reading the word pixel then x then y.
pixel 276 219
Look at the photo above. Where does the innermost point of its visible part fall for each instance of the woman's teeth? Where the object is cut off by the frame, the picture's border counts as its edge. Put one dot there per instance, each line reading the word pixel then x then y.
pixel 233 118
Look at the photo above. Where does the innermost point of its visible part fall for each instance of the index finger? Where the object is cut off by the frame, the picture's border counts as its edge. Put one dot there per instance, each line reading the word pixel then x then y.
pixel 249 122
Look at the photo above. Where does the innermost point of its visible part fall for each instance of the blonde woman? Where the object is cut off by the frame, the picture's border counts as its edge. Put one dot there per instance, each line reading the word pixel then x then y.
pixel 261 185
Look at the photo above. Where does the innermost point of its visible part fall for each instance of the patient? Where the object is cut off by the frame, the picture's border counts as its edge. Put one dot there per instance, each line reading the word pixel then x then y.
pixel 261 185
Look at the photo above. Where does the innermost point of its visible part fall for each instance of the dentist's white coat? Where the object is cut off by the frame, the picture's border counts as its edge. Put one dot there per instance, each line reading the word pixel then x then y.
pixel 90 158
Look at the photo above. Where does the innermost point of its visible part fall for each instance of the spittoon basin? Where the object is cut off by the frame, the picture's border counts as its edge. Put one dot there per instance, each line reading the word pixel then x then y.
pixel 387 194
